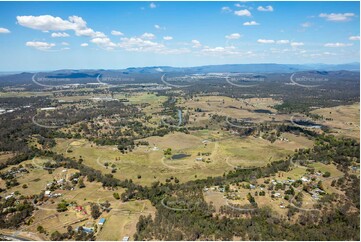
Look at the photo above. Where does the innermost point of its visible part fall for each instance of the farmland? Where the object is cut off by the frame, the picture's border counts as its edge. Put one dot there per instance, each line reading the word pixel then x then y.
pixel 107 163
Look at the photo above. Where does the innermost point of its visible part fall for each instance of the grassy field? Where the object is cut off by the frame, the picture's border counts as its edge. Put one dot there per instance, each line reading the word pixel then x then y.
pixel 122 222
pixel 222 150
pixel 343 120
pixel 233 108
pixel 5 156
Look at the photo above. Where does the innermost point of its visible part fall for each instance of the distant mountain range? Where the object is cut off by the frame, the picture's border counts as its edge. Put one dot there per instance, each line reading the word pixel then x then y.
pixel 255 68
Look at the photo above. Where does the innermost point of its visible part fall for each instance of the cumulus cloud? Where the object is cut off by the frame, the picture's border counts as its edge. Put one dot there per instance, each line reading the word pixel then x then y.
pixel 265 41
pixel 250 23
pixel 296 44
pixel 84 44
pixel 306 24
pixel 104 42
pixel 148 36
pixel 233 36
pixel 196 43
pixel 265 9
pixel 283 41
pixel 167 37
pixel 4 31
pixel 140 45
pixel 337 17
pixel 59 35
pixel 337 44
pixel 354 37
pixel 152 5
pixel 229 50
pixel 116 33
pixel 51 23
pixel 226 9
pixel 243 12
pixel 40 45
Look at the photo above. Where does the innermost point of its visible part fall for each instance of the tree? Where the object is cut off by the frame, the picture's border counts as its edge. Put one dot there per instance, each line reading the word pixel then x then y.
pixel 326 174
pixel 168 151
pixel 62 206
pixel 40 229
pixel 116 195
pixel 56 236
pixel 95 211
pixel 81 182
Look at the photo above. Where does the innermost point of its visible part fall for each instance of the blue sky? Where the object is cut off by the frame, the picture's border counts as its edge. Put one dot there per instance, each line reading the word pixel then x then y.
pixel 113 35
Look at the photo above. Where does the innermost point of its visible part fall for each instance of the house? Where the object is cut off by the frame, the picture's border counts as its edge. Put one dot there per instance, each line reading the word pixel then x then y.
pixel 125 238
pixel 304 179
pixel 221 189
pixel 277 194
pixel 315 196
pixel 252 186
pixel 85 229
pixel 101 221
pixel 47 193
pixel 79 208
pixel 199 159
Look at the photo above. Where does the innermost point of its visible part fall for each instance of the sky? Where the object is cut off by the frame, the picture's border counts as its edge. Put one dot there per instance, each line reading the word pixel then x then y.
pixel 115 35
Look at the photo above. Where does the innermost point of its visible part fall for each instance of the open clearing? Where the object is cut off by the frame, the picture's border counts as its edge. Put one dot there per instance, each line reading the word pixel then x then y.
pixel 343 120
pixel 219 151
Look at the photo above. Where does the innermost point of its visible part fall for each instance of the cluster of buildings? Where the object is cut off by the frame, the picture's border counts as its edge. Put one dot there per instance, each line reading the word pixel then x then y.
pixel 13 172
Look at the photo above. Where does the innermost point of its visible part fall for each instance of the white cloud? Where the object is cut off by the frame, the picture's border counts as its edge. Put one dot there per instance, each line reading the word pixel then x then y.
pixel 148 36
pixel 337 17
pixel 40 45
pixel 337 44
pixel 152 5
pixel 51 23
pixel 296 44
pixel 265 41
pixel 243 12
pixel 226 9
pixel 251 23
pixel 157 26
pixel 233 36
pixel 265 9
pixel 196 43
pixel 59 35
pixel 116 33
pixel 229 50
pixel 65 43
pixel 104 42
pixel 84 44
pixel 140 45
pixel 4 31
pixel 167 37
pixel 306 24
pixel 283 41
pixel 354 37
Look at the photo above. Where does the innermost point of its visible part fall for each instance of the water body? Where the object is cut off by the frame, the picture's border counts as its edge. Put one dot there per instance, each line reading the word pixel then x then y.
pixel 180 156
pixel 262 111
pixel 307 123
